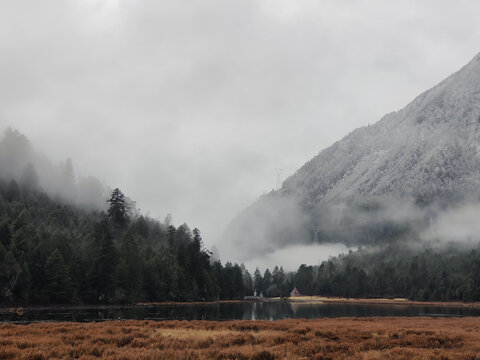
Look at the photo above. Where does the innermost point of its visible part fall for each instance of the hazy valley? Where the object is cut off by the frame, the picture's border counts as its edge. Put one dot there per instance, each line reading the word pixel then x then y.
pixel 238 180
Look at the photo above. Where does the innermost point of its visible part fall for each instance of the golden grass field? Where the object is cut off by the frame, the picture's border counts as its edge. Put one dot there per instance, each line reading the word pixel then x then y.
pixel 344 338
pixel 380 301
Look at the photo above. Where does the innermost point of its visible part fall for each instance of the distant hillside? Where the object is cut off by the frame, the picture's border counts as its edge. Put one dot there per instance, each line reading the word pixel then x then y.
pixel 381 182
pixel 20 162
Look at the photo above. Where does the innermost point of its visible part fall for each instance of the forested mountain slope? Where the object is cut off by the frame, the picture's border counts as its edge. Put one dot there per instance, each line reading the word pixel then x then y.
pixel 59 247
pixel 380 181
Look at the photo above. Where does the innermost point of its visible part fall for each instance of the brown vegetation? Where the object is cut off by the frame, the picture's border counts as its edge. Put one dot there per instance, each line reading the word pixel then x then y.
pixel 381 301
pixel 365 338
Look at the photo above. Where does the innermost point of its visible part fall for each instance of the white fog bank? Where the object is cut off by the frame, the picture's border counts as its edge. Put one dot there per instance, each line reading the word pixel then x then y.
pixel 292 257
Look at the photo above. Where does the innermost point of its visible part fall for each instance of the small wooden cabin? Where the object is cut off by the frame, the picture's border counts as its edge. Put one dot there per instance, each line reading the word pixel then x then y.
pixel 295 292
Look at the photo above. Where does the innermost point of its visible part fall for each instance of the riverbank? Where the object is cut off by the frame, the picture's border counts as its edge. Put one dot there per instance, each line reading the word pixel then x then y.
pixel 344 338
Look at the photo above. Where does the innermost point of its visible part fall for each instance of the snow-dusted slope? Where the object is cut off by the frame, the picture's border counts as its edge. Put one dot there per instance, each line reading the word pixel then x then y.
pixel 367 186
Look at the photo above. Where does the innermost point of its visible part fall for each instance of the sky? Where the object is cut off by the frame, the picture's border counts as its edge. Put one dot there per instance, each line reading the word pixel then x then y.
pixel 190 107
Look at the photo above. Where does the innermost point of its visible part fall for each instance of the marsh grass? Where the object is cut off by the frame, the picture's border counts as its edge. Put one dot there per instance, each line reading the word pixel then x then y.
pixel 368 339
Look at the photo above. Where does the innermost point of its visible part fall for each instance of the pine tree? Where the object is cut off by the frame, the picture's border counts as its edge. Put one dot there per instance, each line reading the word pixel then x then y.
pixel 171 233
pixel 237 282
pixel 247 283
pixel 257 281
pixel 102 275
pixel 195 266
pixel 118 209
pixel 129 269
pixel 267 282
pixel 197 240
pixel 278 276
pixel 59 286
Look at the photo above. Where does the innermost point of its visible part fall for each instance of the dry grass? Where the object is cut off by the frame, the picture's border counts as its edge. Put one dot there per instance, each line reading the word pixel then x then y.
pixel 365 338
pixel 380 301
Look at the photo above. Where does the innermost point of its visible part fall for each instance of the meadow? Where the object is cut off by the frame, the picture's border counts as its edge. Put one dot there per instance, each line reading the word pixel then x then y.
pixel 341 338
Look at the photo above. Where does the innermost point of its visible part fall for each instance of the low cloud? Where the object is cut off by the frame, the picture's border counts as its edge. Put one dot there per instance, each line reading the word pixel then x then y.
pixel 20 162
pixel 459 225
pixel 291 257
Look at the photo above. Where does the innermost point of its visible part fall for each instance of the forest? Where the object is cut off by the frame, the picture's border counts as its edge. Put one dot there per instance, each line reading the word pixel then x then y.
pixel 54 253
pixel 445 273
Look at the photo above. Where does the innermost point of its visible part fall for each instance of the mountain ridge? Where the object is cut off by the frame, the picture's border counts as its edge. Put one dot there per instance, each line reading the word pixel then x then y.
pixel 421 159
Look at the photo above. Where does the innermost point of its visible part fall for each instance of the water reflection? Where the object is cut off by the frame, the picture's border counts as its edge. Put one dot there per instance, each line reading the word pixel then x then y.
pixel 234 311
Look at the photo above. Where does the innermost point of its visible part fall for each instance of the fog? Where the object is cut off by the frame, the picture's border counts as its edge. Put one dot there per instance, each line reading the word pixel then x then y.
pixel 190 107
pixel 290 257
pixel 297 234
pixel 20 162
pixel 458 225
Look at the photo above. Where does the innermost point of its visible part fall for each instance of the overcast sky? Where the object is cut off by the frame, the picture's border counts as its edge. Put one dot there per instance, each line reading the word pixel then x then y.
pixel 190 106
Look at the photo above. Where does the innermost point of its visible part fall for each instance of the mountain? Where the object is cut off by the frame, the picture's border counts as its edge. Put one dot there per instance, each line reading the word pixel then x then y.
pixel 381 182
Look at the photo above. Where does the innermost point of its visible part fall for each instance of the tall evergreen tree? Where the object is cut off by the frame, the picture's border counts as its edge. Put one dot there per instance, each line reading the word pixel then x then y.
pixel 237 282
pixel 102 275
pixel 247 283
pixel 118 209
pixel 267 282
pixel 59 287
pixel 257 281
pixel 129 269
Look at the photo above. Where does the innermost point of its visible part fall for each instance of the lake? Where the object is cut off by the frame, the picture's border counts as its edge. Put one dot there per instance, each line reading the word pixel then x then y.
pixel 232 311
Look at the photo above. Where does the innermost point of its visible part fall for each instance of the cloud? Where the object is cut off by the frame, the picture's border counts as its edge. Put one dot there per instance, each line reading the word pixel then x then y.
pixel 457 225
pixel 189 106
pixel 291 257
pixel 20 162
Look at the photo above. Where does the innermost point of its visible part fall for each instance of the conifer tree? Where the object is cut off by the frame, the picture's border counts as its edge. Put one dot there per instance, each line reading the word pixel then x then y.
pixel 59 284
pixel 104 263
pixel 267 282
pixel 237 292
pixel 247 283
pixel 129 268
pixel 118 209
pixel 257 281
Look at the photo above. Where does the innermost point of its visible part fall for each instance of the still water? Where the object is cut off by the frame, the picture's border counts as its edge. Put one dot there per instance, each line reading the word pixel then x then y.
pixel 232 311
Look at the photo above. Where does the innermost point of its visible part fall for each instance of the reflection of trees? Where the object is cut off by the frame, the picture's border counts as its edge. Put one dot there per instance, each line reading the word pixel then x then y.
pixel 270 311
pixel 246 311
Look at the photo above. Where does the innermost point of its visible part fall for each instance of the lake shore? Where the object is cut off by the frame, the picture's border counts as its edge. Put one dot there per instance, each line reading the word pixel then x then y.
pixel 381 301
pixel 297 299
pixel 341 338
pixel 111 306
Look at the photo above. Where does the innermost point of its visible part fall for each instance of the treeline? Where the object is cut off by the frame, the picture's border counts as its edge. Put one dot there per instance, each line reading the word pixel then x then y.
pixel 53 253
pixel 277 283
pixel 445 273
